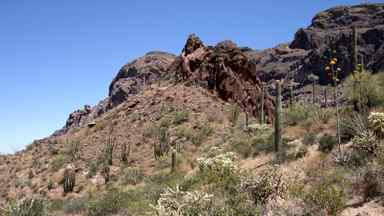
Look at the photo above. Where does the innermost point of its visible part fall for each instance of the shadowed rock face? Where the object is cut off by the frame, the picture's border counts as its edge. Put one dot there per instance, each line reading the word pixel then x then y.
pixel 226 69
pixel 336 25
pixel 134 75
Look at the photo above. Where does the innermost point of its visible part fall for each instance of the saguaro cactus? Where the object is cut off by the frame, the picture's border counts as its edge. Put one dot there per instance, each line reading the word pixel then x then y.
pixel 105 172
pixel 173 162
pixel 278 116
pixel 125 151
pixel 69 180
pixel 314 79
pixel 110 145
pixel 354 50
pixel 262 103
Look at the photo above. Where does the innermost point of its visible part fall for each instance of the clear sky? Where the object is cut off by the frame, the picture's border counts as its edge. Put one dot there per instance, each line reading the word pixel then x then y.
pixel 57 55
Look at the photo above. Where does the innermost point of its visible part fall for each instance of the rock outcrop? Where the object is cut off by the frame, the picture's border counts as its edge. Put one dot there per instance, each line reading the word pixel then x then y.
pixel 226 69
pixel 138 73
pixel 130 80
pixel 334 27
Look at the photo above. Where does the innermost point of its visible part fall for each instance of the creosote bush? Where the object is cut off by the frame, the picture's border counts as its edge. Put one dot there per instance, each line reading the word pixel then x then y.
pixel 327 143
pixel 309 138
pixel 180 117
pixel 108 204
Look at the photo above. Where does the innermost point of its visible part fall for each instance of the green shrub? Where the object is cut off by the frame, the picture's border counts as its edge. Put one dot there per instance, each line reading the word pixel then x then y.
pixel 297 114
pixel 92 169
pixel 58 162
pixel 108 204
pixel 203 133
pixel 309 138
pixel 322 116
pixel 326 196
pixel 372 89
pixel 301 152
pixel 327 143
pixel 75 206
pixel 27 207
pixel 180 117
pixel 133 176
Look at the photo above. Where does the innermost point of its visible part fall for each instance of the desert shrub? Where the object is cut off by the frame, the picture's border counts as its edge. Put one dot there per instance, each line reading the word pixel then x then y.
pixel 301 152
pixel 75 206
pixel 180 117
pixel 358 158
pixel 108 204
pixel 133 176
pixel 242 146
pixel 203 133
pixel 269 185
pixel 174 202
pixel 327 143
pixel 376 123
pixel 326 196
pixel 322 116
pixel 27 207
pixel 92 169
pixel 380 153
pixel 57 162
pixel 218 163
pixel 296 114
pixel 73 150
pixel 309 138
pixel 370 90
pixel 353 124
pixel 372 185
pixel 150 130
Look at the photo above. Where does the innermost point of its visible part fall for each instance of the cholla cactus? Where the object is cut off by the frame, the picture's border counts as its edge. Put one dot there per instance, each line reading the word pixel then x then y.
pixel 376 121
pixel 27 207
pixel 218 164
pixel 174 202
pixel 268 186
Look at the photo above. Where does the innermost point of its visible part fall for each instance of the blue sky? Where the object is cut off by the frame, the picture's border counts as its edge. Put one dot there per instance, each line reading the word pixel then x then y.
pixel 56 56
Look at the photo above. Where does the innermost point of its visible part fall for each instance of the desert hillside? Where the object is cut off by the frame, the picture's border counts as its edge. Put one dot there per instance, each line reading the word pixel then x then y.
pixel 223 130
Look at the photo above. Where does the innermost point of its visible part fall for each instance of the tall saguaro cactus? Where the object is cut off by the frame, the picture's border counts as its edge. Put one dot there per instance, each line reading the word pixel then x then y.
pixel 278 116
pixel 110 146
pixel 313 78
pixel 173 162
pixel 354 50
pixel 262 121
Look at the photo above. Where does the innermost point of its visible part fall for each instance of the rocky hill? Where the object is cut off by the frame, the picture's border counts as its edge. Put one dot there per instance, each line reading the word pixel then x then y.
pixel 170 118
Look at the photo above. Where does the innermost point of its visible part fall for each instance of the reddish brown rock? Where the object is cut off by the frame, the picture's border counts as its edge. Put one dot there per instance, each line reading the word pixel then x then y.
pixel 225 69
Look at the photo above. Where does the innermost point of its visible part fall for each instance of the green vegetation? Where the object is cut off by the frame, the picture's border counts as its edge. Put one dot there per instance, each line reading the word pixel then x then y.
pixel 327 143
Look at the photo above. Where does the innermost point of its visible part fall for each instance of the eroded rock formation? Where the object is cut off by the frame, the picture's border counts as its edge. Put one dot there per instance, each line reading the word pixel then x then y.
pixel 226 69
